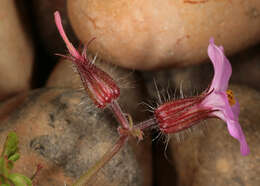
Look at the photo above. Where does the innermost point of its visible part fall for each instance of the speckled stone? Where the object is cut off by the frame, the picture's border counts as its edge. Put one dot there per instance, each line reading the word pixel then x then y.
pixel 68 137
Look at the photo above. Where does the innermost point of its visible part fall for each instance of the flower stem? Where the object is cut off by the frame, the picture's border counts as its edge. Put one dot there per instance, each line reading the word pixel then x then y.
pixel 120 116
pixel 145 124
pixel 85 178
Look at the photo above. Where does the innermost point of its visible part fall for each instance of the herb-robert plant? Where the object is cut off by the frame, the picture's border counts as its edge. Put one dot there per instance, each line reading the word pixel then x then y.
pixel 170 117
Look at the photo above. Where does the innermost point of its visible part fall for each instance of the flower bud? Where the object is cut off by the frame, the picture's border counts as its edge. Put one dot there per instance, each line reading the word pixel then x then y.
pixel 100 87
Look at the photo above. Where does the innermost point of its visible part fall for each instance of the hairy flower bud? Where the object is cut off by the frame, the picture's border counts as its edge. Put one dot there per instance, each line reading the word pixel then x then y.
pixel 100 87
pixel 180 114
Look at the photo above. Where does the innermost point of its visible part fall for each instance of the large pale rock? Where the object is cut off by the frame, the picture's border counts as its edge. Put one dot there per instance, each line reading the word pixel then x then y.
pixel 67 138
pixel 15 50
pixel 215 159
pixel 149 34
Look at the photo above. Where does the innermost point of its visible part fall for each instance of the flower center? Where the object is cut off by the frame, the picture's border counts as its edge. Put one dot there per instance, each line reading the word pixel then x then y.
pixel 231 98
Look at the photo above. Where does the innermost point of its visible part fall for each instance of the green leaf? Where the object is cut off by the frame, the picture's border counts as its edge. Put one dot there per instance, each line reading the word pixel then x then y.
pixel 20 180
pixel 2 165
pixel 9 155
pixel 4 171
pixel 7 159
pixel 12 159
pixel 10 146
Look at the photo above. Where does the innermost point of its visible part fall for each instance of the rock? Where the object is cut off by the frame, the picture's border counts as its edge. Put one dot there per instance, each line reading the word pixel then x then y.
pixel 150 34
pixel 215 159
pixel 246 68
pixel 64 75
pixel 16 51
pixel 67 138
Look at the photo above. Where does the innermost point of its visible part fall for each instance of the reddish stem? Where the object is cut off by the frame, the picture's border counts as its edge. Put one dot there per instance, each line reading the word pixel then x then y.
pixel 120 116
pixel 38 169
pixel 146 124
pixel 85 178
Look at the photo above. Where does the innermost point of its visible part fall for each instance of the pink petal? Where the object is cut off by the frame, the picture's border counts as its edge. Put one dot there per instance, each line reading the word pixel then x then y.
pixel 70 47
pixel 219 101
pixel 235 131
pixel 236 109
pixel 222 67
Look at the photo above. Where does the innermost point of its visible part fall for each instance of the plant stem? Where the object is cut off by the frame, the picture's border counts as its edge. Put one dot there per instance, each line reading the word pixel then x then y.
pixel 120 116
pixel 85 178
pixel 38 169
pixel 145 124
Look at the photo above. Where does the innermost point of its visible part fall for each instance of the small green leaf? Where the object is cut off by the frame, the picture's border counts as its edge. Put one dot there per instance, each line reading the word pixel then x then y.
pixel 4 171
pixel 2 165
pixel 7 159
pixel 14 157
pixel 20 180
pixel 10 146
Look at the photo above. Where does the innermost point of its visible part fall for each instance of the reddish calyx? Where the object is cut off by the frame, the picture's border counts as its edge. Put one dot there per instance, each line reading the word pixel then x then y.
pixel 99 85
pixel 181 114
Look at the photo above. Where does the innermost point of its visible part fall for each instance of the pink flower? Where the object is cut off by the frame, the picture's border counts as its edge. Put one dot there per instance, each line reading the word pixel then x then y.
pixel 217 101
pixel 100 87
